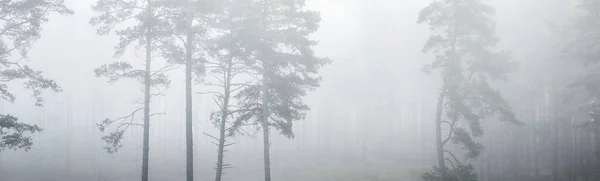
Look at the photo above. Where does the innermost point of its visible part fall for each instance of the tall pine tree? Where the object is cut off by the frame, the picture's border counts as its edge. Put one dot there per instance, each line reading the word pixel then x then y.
pixel 462 39
pixel 147 31
pixel 582 46
pixel 274 37
pixel 190 21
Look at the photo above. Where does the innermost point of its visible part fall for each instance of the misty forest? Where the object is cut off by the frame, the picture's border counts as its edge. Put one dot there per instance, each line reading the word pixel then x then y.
pixel 299 90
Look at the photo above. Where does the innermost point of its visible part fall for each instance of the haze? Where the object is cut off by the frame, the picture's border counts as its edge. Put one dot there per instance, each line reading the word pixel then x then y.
pixel 371 119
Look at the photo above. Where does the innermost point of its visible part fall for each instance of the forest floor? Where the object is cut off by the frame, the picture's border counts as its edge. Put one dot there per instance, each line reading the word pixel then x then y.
pixel 314 167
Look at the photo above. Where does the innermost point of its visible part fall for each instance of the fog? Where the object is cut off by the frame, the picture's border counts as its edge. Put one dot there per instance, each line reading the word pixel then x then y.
pixel 372 117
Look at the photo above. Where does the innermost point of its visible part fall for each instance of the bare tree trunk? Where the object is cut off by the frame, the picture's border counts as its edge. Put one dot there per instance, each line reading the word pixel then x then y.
pixel 221 148
pixel 438 136
pixel 189 135
pixel 594 153
pixel 147 82
pixel 265 126
pixel 222 126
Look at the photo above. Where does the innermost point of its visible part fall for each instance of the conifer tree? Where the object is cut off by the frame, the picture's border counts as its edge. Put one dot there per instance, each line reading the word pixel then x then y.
pixel 581 46
pixel 274 37
pixel 147 31
pixel 189 20
pixel 20 27
pixel 462 39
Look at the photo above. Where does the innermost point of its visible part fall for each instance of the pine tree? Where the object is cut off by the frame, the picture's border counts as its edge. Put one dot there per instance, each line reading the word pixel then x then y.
pixel 461 40
pixel 20 28
pixel 581 45
pixel 189 22
pixel 228 64
pixel 148 31
pixel 274 37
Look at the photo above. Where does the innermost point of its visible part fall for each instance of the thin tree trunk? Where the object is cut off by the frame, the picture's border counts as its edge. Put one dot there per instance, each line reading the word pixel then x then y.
pixel 265 126
pixel 224 113
pixel 596 164
pixel 438 136
pixel 189 135
pixel 147 82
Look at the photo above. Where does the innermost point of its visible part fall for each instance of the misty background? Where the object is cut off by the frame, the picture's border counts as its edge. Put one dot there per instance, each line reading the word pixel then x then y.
pixel 371 118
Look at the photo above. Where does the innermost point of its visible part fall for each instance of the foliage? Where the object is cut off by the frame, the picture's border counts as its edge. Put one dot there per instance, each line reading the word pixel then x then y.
pixel 12 133
pixel 273 39
pixel 143 22
pixel 462 40
pixel 20 26
pixel 581 46
pixel 459 173
pixel 181 19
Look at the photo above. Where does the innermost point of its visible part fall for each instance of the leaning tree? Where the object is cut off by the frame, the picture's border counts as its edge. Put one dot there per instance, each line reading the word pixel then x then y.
pixel 461 41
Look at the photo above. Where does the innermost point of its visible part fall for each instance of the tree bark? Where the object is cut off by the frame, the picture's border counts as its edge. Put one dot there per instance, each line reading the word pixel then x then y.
pixel 147 84
pixel 189 135
pixel 222 126
pixel 265 126
pixel 438 136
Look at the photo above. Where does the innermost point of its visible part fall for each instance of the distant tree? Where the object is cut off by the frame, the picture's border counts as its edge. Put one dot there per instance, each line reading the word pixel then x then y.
pixel 581 45
pixel 462 36
pixel 274 38
pixel 20 26
pixel 189 23
pixel 228 64
pixel 147 31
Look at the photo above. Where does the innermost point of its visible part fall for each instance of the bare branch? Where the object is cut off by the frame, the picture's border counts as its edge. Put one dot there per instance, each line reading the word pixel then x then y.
pixel 452 154
pixel 128 116
pixel 165 68
pixel 451 163
pixel 155 114
pixel 209 92
pixel 450 132
pixel 241 110
pixel 211 136
pixel 218 103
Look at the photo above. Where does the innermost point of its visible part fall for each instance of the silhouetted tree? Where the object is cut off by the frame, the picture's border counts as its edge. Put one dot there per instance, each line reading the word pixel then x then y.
pixel 274 37
pixel 189 22
pixel 581 46
pixel 462 34
pixel 20 25
pixel 228 64
pixel 148 29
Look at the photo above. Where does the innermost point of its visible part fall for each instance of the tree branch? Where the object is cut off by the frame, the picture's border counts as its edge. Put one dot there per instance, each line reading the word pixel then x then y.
pixel 452 154
pixel 450 132
pixel 211 136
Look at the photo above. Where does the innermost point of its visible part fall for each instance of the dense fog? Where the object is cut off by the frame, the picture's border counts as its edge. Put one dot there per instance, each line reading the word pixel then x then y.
pixel 372 117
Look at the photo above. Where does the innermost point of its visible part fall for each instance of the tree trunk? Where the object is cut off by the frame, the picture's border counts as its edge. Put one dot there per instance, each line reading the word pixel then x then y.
pixel 147 82
pixel 438 136
pixel 221 148
pixel 222 126
pixel 265 126
pixel 596 161
pixel 189 135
